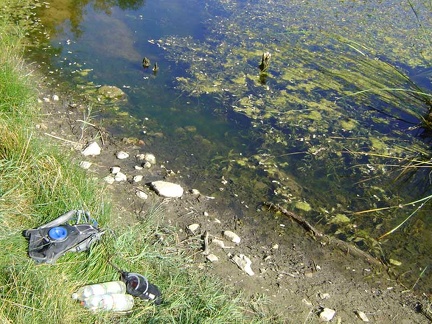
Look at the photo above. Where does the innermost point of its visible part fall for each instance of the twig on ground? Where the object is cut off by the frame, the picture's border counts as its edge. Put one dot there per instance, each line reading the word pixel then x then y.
pixel 206 243
pixel 62 139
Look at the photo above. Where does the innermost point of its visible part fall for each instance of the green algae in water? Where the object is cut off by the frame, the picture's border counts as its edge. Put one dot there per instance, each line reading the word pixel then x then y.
pixel 303 205
pixel 311 115
pixel 314 104
pixel 340 219
pixel 348 124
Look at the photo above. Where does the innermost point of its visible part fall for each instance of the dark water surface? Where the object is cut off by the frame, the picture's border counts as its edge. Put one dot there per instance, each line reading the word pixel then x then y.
pixel 306 134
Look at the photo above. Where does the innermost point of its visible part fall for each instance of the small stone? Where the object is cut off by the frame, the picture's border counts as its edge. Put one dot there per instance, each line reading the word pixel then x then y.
pixel 109 179
pixel 141 194
pixel 120 176
pixel 138 167
pixel 115 170
pixel 148 157
pixel 137 178
pixel 307 302
pixel 85 164
pixel 308 274
pixel 233 237
pixel 55 98
pixel 324 295
pixel 212 258
pixel 275 247
pixel 195 192
pixel 122 155
pixel 92 149
pixel 147 165
pixel 362 316
pixel 219 243
pixel 167 189
pixel 41 126
pixel 244 263
pixel 327 314
pixel 193 227
pixel 205 214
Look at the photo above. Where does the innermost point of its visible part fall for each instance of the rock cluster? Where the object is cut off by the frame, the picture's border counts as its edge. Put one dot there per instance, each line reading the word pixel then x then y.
pixel 146 161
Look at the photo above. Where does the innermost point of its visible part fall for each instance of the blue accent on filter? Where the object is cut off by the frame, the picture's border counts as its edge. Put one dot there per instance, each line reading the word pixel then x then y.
pixel 58 233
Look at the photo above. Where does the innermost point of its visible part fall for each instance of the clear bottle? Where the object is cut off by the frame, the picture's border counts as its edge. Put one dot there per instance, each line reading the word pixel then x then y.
pixel 109 302
pixel 112 287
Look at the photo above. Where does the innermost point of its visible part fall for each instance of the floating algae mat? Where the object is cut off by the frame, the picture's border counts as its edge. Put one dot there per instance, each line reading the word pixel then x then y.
pixel 327 129
pixel 332 110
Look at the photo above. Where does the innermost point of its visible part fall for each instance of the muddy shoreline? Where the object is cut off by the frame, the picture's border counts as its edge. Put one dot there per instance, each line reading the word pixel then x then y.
pixel 296 276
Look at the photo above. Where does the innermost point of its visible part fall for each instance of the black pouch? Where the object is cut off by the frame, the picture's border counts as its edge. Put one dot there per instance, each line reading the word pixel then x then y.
pixel 50 241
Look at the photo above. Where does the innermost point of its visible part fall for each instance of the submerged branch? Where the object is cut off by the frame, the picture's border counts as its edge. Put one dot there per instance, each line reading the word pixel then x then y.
pixel 342 245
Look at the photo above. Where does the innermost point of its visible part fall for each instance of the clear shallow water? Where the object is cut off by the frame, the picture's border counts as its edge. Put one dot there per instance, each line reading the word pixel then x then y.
pixel 298 139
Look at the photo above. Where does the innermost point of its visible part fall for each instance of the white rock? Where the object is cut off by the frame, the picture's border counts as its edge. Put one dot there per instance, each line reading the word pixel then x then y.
pixel 141 194
pixel 307 302
pixel 193 227
pixel 109 179
pixel 55 98
pixel 138 167
pixel 244 263
pixel 167 189
pixel 121 155
pixel 212 258
pixel 92 149
pixel 205 214
pixel 233 237
pixel 148 157
pixel 194 192
pixel 137 178
pixel 327 314
pixel 115 170
pixel 324 295
pixel 120 176
pixel 85 164
pixel 147 165
pixel 362 316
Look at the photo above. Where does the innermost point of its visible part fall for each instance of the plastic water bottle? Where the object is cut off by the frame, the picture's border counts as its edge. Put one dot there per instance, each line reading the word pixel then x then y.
pixel 112 287
pixel 109 302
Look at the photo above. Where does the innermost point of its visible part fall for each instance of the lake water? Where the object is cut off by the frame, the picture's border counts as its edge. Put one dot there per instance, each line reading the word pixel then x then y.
pixel 328 130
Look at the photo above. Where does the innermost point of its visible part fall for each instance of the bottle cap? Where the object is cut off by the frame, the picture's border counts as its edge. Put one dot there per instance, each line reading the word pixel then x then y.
pixel 58 233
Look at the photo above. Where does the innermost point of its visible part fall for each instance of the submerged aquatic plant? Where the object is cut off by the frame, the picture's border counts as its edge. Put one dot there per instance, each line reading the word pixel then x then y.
pixel 403 96
pixel 335 118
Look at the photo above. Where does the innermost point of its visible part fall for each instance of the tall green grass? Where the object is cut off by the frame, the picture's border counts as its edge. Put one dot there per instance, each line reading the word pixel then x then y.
pixel 38 183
